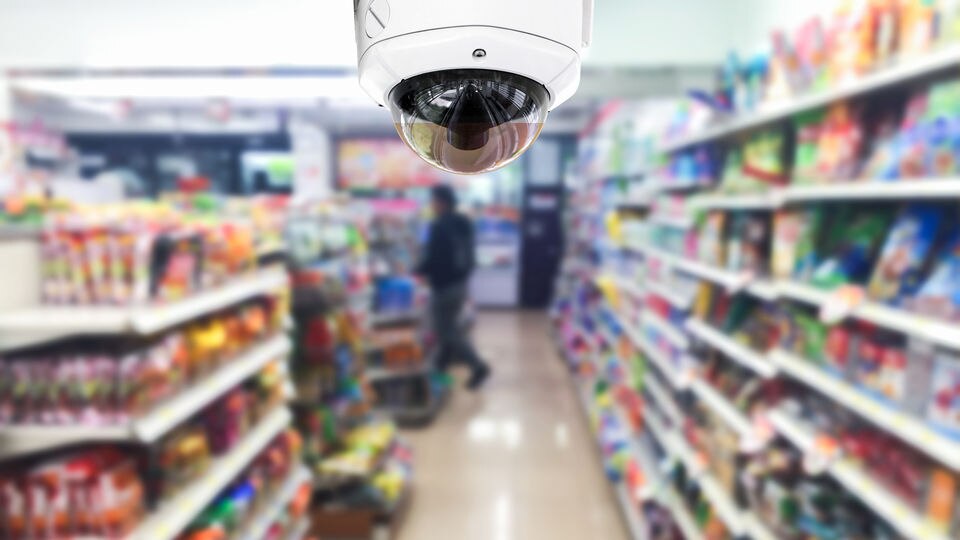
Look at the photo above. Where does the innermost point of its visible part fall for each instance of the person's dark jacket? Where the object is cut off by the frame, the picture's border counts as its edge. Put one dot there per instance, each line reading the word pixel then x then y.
pixel 448 258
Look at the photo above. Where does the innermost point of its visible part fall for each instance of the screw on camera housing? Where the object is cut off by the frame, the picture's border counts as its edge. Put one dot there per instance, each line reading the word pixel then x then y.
pixel 479 54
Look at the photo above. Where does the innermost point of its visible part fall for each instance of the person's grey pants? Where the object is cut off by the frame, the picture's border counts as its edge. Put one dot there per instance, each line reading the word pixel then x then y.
pixel 446 307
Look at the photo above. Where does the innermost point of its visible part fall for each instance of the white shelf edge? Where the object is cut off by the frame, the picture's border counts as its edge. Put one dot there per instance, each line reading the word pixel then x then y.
pixel 747 201
pixel 659 289
pixel 906 69
pixel 261 524
pixel 906 427
pixel 21 439
pixel 888 506
pixel 682 516
pixel 732 349
pixel 940 332
pixel 194 399
pixel 383 373
pixel 727 510
pixel 672 334
pixel 300 530
pixel 722 406
pixel 629 511
pixel 905 188
pixel 53 322
pixel 174 515
pixel 662 396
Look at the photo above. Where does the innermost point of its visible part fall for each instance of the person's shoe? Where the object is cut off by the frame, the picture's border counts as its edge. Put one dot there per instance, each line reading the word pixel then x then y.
pixel 479 376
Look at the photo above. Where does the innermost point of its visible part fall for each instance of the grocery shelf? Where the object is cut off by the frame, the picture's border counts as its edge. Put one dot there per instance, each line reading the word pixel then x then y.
pixel 875 495
pixel 174 515
pixel 258 528
pixel 734 350
pixel 678 448
pixel 391 319
pixel 663 397
pixel 732 281
pixel 907 427
pixel 723 503
pixel 734 418
pixel 755 528
pixel 661 185
pixel 920 188
pixel 747 201
pixel 300 529
pixel 682 516
pixel 671 296
pixel 52 322
pixel 669 372
pixel 906 70
pixel 630 513
pixel 23 439
pixel 937 331
pixel 666 329
pixel 630 287
pixel 388 373
pixel 675 222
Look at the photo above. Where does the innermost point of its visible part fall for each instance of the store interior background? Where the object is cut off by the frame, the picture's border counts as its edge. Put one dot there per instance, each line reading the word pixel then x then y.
pixel 109 100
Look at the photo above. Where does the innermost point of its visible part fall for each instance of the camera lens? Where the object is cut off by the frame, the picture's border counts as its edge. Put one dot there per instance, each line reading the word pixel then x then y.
pixel 469 120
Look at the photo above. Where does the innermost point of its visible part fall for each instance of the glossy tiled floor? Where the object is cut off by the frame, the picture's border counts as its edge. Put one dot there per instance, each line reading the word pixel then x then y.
pixel 516 461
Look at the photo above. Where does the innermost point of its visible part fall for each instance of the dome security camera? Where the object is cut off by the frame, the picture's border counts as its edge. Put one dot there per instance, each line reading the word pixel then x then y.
pixel 470 82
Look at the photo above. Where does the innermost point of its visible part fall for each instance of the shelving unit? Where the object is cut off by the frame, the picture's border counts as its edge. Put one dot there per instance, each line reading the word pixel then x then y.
pixel 257 530
pixel 870 492
pixel 21 439
pixel 731 348
pixel 883 77
pixel 174 515
pixel 903 425
pixel 46 323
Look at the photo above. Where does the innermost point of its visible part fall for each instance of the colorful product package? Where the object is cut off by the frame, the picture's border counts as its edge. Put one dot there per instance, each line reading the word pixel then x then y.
pixel 808 252
pixel 943 409
pixel 839 145
pixel 747 247
pixel 787 230
pixel 898 271
pixel 808 127
pixel 941 128
pixel 939 296
pixel 850 255
pixel 710 242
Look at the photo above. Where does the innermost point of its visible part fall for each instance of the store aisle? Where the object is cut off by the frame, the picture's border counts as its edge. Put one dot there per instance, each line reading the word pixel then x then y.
pixel 516 461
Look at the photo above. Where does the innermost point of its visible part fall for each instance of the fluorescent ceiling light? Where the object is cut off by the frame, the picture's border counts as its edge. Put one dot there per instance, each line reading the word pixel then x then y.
pixel 235 88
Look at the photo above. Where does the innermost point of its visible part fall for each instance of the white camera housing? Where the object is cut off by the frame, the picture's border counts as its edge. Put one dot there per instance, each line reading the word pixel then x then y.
pixel 536 40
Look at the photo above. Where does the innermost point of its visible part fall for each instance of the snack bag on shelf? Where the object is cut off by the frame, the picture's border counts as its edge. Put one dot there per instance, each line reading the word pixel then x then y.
pixel 917 28
pixel 849 256
pixel 787 230
pixel 898 271
pixel 853 40
pixel 808 128
pixel 943 409
pixel 912 150
pixel 764 160
pixel 941 126
pixel 883 149
pixel 939 296
pixel 747 246
pixel 839 146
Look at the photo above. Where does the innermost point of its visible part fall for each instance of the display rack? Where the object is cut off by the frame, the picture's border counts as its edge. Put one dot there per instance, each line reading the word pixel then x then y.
pixel 22 439
pixel 174 515
pixel 628 263
pixel 896 73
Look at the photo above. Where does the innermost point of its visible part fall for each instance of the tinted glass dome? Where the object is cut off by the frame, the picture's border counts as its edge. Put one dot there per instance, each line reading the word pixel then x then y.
pixel 469 120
